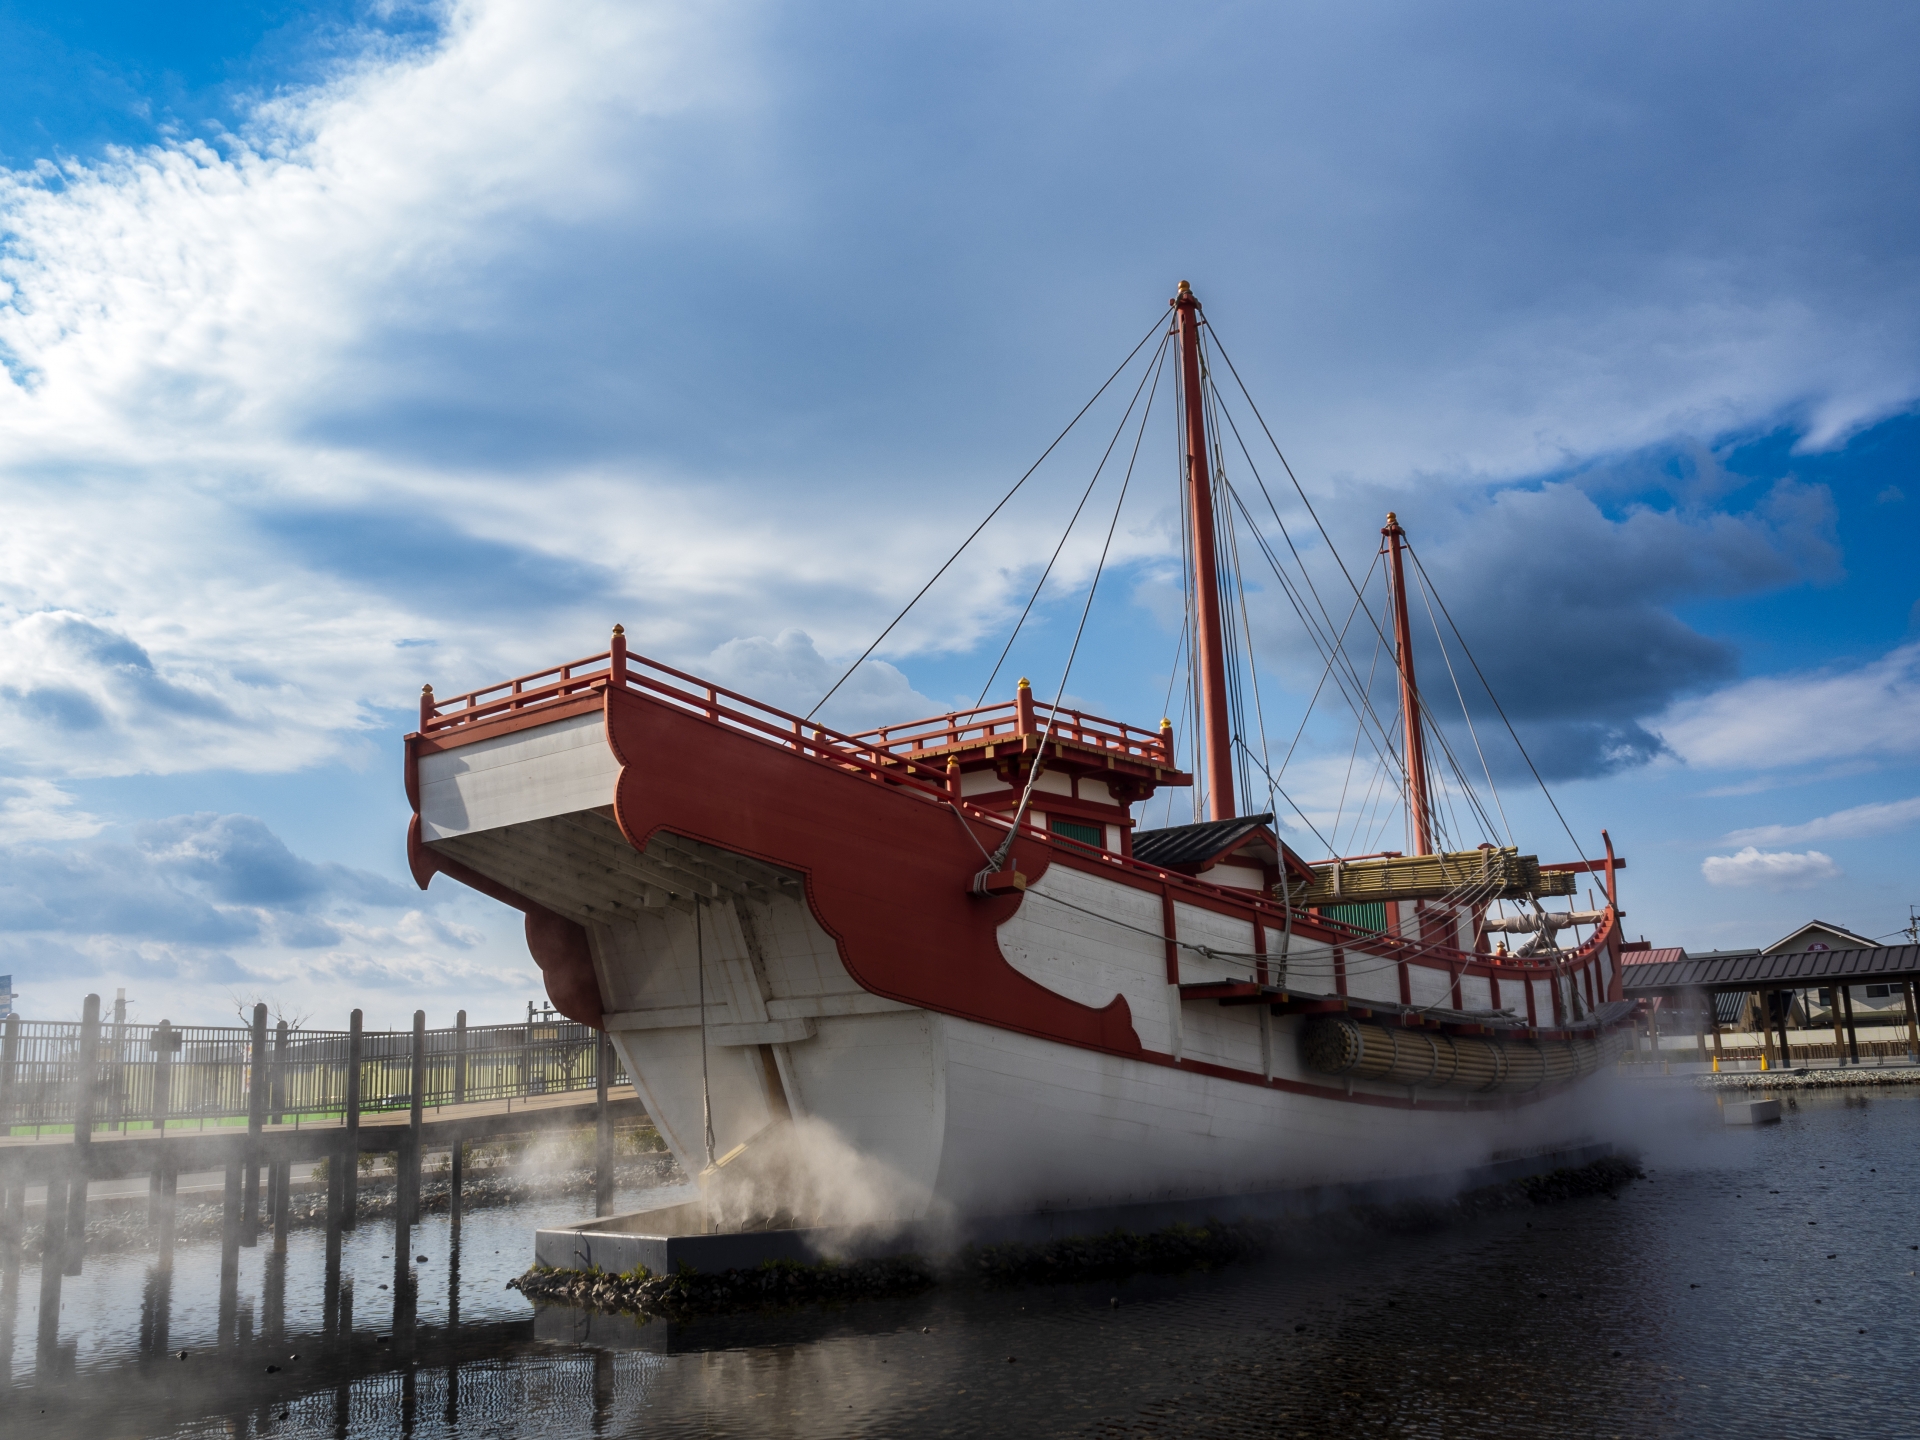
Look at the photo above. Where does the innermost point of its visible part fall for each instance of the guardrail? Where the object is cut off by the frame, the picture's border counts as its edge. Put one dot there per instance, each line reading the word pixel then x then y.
pixel 140 1075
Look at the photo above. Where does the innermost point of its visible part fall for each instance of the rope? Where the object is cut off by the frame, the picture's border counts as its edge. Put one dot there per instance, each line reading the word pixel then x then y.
pixel 1067 534
pixel 984 523
pixel 998 862
pixel 1500 710
pixel 706 1092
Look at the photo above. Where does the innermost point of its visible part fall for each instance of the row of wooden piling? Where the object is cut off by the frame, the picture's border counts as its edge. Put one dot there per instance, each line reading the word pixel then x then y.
pixel 259 1167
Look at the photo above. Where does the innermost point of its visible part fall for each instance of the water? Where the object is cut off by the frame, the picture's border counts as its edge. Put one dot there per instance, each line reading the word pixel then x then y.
pixel 1759 1282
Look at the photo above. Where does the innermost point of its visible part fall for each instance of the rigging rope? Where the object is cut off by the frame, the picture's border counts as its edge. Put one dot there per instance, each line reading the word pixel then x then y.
pixel 984 523
pixel 1074 520
pixel 999 859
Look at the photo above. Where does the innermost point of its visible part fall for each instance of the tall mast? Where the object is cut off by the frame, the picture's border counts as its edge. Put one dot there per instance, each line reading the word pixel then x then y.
pixel 1210 651
pixel 1419 807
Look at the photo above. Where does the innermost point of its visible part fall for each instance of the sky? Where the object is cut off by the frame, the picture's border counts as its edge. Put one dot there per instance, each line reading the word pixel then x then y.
pixel 348 347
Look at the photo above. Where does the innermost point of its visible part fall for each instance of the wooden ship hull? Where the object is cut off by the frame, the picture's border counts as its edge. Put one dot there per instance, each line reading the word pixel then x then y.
pixel 1104 1031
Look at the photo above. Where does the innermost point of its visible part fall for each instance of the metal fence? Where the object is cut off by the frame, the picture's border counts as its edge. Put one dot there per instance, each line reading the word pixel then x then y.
pixel 206 1073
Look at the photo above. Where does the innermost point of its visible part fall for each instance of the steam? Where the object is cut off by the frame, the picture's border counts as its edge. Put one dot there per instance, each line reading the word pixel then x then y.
pixel 803 1173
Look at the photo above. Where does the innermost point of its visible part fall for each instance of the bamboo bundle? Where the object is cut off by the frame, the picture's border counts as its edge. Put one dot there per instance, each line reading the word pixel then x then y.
pixel 1426 1059
pixel 1490 874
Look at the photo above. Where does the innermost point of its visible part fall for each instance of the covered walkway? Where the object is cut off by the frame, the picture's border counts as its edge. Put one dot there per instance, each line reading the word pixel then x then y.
pixel 1766 976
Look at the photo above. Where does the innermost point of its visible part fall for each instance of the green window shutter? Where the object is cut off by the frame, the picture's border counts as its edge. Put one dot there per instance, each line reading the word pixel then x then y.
pixel 1086 834
pixel 1364 917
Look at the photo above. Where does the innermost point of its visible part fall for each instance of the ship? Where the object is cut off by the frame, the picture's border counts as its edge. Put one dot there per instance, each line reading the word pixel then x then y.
pixel 949 956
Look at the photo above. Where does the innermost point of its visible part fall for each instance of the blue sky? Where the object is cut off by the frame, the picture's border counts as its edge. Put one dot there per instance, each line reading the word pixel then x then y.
pixel 350 346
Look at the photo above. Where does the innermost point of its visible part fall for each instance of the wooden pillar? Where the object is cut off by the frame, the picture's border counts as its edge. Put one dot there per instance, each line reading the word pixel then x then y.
pixel 230 1243
pixel 1786 1045
pixel 117 1074
pixel 282 1171
pixel 457 1170
pixel 603 1125
pixel 53 1238
pixel 1853 1035
pixel 416 1117
pixel 350 1142
pixel 1913 1019
pixel 1839 1035
pixel 1700 999
pixel 1763 1022
pixel 86 1082
pixel 256 1120
pixel 164 1183
pixel 9 1071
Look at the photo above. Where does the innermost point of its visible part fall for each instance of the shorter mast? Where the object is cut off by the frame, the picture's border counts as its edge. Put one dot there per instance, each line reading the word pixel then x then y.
pixel 1419 806
pixel 1209 648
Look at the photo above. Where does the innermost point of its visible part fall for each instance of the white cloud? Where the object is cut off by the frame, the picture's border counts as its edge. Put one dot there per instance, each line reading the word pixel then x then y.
pixel 1772 722
pixel 41 810
pixel 1874 819
pixel 788 673
pixel 1772 869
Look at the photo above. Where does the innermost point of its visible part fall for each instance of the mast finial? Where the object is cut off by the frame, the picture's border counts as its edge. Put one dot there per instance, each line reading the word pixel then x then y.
pixel 1024 685
pixel 619 629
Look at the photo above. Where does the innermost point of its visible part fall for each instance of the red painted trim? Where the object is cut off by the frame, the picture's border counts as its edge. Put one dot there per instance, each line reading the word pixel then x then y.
pixel 506 725
pixel 1170 928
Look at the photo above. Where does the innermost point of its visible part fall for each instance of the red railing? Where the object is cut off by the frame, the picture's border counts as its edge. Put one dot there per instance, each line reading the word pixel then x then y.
pixel 544 689
pixel 987 722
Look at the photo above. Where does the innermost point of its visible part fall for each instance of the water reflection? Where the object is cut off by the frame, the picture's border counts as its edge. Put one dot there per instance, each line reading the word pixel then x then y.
pixel 1571 1321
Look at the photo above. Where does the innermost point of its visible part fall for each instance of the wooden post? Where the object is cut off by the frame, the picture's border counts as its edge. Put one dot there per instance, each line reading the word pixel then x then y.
pixel 53 1251
pixel 164 1184
pixel 230 1242
pixel 117 1090
pixel 53 1234
pixel 9 1070
pixel 1853 1035
pixel 1700 999
pixel 603 1125
pixel 1786 1045
pixel 1763 1022
pixel 1913 1021
pixel 282 1171
pixel 457 1170
pixel 256 1120
pixel 86 1088
pixel 1839 1036
pixel 350 1140
pixel 415 1117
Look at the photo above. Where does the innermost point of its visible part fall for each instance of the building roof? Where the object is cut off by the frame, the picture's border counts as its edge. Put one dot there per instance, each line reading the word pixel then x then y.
pixel 1751 970
pixel 1653 957
pixel 1181 845
pixel 1841 931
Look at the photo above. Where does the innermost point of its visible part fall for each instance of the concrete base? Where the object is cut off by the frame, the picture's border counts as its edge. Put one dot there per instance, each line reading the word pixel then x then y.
pixel 663 1240
pixel 1750 1112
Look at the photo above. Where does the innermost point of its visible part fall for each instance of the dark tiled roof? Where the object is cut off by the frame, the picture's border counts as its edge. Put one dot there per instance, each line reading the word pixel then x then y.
pixel 1750 970
pixel 1194 844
